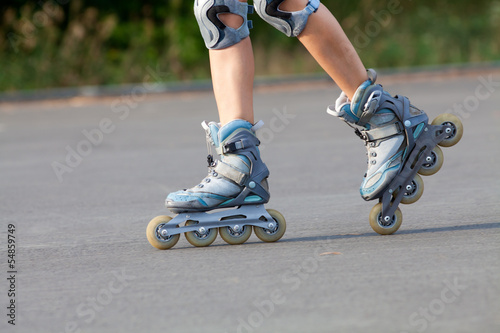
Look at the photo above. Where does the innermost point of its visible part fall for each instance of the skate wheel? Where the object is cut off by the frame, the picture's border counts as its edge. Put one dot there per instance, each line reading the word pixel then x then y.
pixel 199 239
pixel 457 128
pixel 230 236
pixel 413 191
pixel 382 227
pixel 274 234
pixel 433 162
pixel 155 238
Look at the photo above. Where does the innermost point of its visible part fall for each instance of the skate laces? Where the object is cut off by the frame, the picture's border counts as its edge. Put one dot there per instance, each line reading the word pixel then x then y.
pixel 210 137
pixel 210 157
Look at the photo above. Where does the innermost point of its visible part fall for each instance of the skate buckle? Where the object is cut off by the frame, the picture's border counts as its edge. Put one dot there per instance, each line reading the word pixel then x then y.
pixel 407 123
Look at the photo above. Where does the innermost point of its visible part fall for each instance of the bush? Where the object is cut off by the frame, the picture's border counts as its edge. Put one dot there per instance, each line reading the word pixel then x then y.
pixel 60 43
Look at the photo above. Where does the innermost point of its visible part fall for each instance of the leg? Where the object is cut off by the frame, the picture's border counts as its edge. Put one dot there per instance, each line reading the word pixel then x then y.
pixel 239 177
pixel 321 34
pixel 231 61
pixel 232 77
pixel 324 38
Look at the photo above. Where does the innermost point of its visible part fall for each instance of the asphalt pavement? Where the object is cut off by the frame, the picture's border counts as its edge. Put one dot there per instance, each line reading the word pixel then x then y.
pixel 81 178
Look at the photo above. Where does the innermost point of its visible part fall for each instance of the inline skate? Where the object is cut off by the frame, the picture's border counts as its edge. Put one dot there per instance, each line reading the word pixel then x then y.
pixel 400 143
pixel 229 201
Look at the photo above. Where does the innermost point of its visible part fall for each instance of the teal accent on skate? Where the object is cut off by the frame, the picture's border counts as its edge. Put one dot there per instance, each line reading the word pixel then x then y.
pixel 226 203
pixel 185 196
pixel 418 130
pixel 202 202
pixel 214 133
pixel 351 117
pixel 253 199
pixel 367 191
pixel 358 97
pixel 382 181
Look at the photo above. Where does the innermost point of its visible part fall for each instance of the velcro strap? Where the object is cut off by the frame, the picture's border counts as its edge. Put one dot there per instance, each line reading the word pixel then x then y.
pixel 383 132
pixel 231 173
pixel 233 146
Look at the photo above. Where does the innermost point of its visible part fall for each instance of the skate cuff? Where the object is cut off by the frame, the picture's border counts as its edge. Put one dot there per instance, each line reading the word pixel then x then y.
pixel 230 173
pixel 233 146
pixel 383 132
pixel 237 145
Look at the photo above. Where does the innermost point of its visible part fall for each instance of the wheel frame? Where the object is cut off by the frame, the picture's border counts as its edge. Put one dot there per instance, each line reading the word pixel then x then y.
pixel 265 235
pixel 228 234
pixel 455 122
pixel 417 191
pixel 155 239
pixel 438 158
pixel 193 237
pixel 376 214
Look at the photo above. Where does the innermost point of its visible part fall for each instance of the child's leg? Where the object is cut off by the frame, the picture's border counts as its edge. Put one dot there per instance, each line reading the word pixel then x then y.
pixel 231 60
pixel 328 44
pixel 232 78
pixel 321 34
pixel 240 176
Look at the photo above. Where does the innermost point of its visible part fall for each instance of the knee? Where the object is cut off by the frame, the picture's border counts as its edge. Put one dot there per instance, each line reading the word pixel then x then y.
pixel 283 18
pixel 223 23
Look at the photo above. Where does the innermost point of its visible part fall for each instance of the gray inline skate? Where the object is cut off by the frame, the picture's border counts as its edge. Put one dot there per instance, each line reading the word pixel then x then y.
pixel 230 200
pixel 400 145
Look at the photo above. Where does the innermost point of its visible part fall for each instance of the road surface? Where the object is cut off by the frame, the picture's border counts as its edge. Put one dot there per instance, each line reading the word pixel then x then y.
pixel 81 178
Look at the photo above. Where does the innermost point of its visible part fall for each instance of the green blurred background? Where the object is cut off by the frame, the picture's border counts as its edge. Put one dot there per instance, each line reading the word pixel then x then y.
pixel 64 43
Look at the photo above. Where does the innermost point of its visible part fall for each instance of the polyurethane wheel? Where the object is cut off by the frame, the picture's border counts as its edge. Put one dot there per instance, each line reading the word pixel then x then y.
pixel 433 162
pixel 272 235
pixel 380 226
pixel 457 128
pixel 155 238
pixel 413 191
pixel 199 239
pixel 230 236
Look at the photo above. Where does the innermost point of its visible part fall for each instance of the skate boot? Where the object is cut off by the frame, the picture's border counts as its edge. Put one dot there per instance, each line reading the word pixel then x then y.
pixel 400 143
pixel 237 181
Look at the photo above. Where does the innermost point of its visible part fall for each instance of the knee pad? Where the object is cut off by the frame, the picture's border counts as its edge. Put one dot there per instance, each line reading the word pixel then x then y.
pixel 215 33
pixel 290 23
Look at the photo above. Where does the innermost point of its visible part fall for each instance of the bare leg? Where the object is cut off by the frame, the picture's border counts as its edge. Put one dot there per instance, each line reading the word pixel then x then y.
pixel 233 68
pixel 232 76
pixel 324 38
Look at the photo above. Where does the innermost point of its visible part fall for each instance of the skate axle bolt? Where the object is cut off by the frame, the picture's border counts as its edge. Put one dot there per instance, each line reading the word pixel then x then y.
pixel 428 159
pixel 387 219
pixel 236 228
pixel 447 130
pixel 202 230
pixel 271 225
pixel 164 232
pixel 409 187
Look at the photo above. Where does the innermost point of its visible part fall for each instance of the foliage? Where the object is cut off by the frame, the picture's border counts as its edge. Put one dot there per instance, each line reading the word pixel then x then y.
pixel 59 43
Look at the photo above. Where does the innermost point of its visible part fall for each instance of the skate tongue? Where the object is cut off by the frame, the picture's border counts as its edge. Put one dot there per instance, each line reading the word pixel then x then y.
pixel 232 126
pixel 212 131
